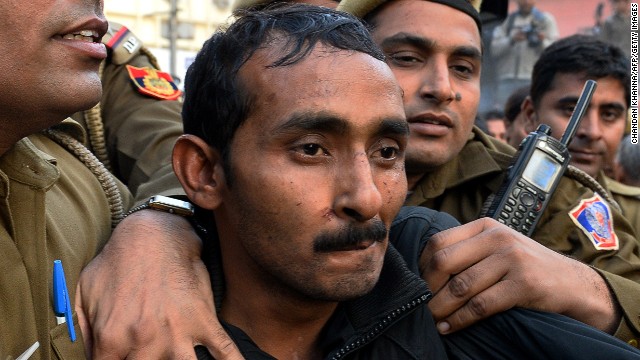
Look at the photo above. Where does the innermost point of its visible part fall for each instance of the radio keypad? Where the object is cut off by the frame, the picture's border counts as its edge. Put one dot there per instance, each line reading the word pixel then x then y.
pixel 527 202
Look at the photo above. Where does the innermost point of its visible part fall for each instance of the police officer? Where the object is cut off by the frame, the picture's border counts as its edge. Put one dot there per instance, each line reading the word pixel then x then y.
pixel 557 78
pixel 48 184
pixel 481 268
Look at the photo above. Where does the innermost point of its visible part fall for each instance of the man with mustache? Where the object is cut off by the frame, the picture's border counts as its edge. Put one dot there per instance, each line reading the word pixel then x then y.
pixel 556 84
pixel 496 268
pixel 483 267
pixel 298 188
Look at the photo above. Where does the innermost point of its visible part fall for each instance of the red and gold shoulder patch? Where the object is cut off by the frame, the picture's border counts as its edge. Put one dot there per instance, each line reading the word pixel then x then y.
pixel 154 83
pixel 593 217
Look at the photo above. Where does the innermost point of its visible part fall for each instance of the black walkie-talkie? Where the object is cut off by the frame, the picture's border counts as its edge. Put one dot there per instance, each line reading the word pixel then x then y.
pixel 535 172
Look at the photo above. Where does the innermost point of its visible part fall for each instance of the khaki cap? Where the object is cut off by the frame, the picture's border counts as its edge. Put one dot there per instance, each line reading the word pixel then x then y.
pixel 361 8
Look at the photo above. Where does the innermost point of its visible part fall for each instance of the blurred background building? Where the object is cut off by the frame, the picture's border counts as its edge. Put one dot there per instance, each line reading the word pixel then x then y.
pixel 174 30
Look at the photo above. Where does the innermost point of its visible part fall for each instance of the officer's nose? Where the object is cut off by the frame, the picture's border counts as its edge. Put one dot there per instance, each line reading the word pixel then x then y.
pixel 590 126
pixel 436 84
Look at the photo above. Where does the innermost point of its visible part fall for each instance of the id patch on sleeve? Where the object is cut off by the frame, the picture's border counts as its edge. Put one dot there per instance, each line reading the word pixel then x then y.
pixel 593 217
pixel 154 83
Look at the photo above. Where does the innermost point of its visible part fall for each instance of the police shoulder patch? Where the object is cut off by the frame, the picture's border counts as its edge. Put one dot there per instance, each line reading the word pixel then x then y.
pixel 154 83
pixel 593 217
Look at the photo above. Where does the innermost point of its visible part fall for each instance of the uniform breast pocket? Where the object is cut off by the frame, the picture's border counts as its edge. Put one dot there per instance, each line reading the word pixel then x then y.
pixel 63 348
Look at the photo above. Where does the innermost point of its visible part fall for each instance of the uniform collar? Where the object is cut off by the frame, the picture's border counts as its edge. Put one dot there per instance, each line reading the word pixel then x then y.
pixel 27 164
pixel 480 156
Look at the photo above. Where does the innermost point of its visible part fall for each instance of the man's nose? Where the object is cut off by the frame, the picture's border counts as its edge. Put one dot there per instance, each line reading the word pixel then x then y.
pixel 436 83
pixel 358 196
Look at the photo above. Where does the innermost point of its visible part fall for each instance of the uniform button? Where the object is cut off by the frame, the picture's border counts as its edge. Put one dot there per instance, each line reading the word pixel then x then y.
pixel 633 342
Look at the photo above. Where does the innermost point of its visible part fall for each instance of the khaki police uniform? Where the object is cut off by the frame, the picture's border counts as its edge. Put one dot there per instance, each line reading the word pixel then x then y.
pixel 628 197
pixel 462 186
pixel 45 196
pixel 135 125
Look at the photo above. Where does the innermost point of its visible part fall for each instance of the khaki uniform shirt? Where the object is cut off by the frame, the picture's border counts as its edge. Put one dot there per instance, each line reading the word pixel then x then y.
pixel 139 129
pixel 628 197
pixel 461 187
pixel 51 207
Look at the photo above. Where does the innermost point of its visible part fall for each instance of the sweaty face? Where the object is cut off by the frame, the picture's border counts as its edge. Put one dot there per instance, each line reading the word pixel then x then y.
pixel 439 71
pixel 602 126
pixel 318 174
pixel 49 57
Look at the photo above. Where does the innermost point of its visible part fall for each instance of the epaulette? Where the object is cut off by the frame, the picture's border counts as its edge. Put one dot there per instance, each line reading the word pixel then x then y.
pixel 122 43
pixel 622 189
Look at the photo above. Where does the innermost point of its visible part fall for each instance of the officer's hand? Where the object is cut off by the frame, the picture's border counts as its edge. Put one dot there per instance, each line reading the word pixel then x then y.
pixel 148 295
pixel 484 267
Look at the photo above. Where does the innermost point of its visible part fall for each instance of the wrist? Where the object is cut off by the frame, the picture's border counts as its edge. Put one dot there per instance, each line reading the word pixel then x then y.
pixel 597 306
pixel 166 204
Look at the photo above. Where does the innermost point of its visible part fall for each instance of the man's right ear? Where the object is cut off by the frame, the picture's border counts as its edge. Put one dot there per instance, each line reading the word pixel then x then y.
pixel 529 113
pixel 199 169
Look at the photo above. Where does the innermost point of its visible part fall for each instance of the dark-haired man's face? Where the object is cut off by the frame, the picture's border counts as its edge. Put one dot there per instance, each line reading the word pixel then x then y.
pixel 318 170
pixel 602 126
pixel 497 129
pixel 435 53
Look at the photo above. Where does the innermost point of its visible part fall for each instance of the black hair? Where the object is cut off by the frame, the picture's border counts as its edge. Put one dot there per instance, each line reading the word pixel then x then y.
pixel 217 102
pixel 493 114
pixel 513 104
pixel 579 54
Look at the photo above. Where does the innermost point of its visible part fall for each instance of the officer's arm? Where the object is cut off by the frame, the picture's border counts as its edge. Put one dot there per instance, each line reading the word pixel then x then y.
pixel 148 295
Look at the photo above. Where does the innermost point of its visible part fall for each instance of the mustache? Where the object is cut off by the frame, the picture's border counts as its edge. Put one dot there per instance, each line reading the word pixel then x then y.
pixel 350 236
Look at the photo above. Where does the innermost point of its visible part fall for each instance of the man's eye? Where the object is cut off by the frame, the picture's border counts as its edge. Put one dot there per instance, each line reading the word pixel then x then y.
pixel 403 58
pixel 568 109
pixel 313 150
pixel 610 116
pixel 464 70
pixel 389 152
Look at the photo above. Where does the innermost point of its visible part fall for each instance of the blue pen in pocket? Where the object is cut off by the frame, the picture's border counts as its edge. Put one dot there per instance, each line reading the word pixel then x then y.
pixel 61 301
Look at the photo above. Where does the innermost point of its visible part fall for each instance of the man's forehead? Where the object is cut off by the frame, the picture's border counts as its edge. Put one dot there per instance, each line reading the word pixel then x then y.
pixel 324 65
pixel 403 21
pixel 323 79
pixel 574 83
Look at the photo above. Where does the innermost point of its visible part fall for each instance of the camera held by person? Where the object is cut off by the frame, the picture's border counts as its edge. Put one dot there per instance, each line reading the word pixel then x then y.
pixel 533 36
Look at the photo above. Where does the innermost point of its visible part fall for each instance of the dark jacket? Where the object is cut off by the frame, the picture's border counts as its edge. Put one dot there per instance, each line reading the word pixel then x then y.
pixel 393 321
